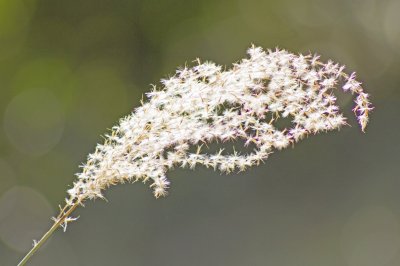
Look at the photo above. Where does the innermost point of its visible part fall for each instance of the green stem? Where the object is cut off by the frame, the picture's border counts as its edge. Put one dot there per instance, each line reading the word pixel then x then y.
pixel 46 236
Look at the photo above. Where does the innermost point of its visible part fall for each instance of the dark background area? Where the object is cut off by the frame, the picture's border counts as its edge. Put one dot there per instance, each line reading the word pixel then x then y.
pixel 70 69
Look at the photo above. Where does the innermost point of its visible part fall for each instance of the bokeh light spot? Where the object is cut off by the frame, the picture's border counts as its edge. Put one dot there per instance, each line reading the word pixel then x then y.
pixel 24 216
pixel 34 121
pixel 7 176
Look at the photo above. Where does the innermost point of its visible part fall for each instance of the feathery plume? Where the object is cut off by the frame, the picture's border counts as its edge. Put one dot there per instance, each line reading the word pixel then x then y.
pixel 204 103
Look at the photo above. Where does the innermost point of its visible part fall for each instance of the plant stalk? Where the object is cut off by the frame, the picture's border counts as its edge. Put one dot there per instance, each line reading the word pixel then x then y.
pixel 61 219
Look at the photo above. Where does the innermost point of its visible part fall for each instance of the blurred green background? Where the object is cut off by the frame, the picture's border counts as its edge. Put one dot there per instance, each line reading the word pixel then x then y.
pixel 70 69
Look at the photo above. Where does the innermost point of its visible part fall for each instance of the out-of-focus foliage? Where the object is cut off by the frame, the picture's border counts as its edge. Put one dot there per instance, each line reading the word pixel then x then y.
pixel 70 69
